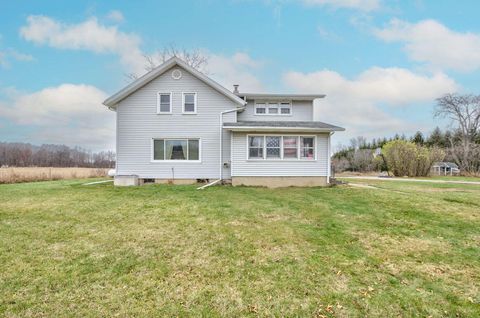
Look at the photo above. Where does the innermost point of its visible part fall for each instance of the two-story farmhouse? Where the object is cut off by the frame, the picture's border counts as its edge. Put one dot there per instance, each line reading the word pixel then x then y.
pixel 176 125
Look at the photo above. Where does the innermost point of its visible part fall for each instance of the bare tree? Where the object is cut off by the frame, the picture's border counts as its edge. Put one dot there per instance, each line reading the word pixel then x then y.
pixel 194 58
pixel 464 113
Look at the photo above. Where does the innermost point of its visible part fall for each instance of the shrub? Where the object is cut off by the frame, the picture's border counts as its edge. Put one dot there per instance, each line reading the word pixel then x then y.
pixel 404 158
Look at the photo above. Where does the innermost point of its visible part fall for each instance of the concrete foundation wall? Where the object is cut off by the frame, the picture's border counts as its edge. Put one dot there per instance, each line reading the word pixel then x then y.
pixel 125 181
pixel 279 182
pixel 176 181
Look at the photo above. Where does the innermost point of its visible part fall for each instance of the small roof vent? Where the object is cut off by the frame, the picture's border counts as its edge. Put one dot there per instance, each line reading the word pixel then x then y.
pixel 235 89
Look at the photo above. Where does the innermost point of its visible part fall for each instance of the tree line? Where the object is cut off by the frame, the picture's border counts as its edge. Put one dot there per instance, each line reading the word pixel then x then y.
pixel 459 144
pixel 48 155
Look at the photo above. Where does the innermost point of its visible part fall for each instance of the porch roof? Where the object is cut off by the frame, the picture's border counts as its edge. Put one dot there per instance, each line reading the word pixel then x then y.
pixel 282 126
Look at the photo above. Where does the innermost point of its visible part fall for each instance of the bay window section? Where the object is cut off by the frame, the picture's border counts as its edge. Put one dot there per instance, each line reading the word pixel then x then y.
pixel 273 147
pixel 255 147
pixel 176 149
pixel 290 147
pixel 307 150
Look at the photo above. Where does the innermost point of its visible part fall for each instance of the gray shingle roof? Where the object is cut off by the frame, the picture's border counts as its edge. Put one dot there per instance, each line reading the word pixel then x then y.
pixel 297 97
pixel 315 125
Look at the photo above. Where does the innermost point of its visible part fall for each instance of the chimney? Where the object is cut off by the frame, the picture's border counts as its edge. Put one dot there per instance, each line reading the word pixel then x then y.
pixel 235 89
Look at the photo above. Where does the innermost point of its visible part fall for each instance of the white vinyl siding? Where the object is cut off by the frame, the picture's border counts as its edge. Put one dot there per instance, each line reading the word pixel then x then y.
pixel 138 124
pixel 243 166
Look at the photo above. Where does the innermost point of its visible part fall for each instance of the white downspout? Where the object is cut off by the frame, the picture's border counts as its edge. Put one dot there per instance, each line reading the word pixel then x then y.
pixel 220 178
pixel 221 138
pixel 329 159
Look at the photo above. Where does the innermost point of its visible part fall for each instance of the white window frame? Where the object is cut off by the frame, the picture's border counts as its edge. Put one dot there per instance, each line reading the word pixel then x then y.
pixel 280 108
pixel 194 103
pixel 256 106
pixel 265 147
pixel 267 106
pixel 158 102
pixel 299 147
pixel 152 150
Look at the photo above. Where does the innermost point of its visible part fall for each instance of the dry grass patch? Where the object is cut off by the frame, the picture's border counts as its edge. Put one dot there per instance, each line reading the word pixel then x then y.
pixel 30 174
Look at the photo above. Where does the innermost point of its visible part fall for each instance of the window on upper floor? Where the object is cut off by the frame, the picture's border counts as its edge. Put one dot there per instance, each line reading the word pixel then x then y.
pixel 273 108
pixel 189 103
pixel 164 103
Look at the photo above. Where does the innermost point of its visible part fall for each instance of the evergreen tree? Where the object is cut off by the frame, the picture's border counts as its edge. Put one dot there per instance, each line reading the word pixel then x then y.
pixel 436 138
pixel 418 138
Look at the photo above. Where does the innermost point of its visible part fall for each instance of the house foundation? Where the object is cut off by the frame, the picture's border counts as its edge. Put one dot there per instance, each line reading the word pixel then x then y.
pixel 126 181
pixel 280 182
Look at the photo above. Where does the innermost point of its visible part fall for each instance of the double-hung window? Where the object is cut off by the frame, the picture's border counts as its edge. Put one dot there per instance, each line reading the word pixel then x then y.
pixel 255 147
pixel 286 147
pixel 273 145
pixel 307 148
pixel 164 103
pixel 260 109
pixel 285 108
pixel 290 147
pixel 176 149
pixel 189 103
pixel 272 108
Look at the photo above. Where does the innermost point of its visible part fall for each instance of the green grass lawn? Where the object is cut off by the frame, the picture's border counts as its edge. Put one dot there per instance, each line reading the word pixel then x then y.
pixel 398 250
pixel 456 178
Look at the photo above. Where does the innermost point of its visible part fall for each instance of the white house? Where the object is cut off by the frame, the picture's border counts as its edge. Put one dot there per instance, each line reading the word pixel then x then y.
pixel 176 125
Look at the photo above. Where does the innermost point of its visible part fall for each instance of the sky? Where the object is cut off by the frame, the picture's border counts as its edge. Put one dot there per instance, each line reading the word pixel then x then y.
pixel 381 63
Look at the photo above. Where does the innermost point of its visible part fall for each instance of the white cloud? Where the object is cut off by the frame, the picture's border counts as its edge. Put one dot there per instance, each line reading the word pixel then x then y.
pixel 356 103
pixel 92 36
pixel 67 114
pixel 115 16
pixel 362 5
pixel 9 53
pixel 236 69
pixel 433 43
pixel 88 35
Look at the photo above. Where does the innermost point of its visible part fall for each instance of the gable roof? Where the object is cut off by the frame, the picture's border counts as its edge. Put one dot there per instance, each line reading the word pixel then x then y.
pixel 113 100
